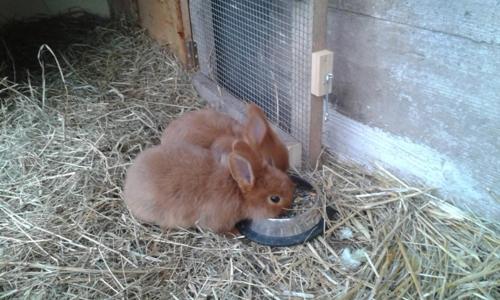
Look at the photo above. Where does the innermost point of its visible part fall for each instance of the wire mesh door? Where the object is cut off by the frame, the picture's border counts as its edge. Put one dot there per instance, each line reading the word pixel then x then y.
pixel 260 52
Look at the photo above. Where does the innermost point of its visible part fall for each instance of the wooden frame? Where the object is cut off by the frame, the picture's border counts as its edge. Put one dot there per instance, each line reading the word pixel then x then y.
pixel 316 111
pixel 169 23
pixel 312 143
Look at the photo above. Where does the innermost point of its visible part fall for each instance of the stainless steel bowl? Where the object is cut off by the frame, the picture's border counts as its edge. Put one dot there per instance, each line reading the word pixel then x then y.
pixel 288 231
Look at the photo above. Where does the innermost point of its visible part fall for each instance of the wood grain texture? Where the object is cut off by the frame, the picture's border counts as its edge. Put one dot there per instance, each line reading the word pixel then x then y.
pixel 316 109
pixel 163 19
pixel 186 19
pixel 428 73
pixel 416 163
pixel 477 21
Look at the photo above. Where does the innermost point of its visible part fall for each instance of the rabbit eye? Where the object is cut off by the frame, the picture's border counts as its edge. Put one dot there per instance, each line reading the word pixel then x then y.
pixel 275 199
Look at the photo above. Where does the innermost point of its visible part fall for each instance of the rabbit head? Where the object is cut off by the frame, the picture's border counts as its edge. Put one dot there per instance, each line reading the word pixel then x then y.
pixel 267 191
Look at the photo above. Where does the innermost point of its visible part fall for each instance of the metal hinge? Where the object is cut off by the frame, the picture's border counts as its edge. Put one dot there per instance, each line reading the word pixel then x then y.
pixel 192 54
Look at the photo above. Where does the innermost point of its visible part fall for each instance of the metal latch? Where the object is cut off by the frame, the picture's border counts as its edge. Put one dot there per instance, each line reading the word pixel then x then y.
pixel 322 77
pixel 328 81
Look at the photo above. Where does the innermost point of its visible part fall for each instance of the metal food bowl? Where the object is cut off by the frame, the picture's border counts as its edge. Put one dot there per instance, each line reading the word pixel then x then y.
pixel 289 231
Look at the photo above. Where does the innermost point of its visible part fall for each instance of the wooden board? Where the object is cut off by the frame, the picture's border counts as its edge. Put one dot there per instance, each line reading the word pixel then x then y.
pixel 419 83
pixel 167 21
pixel 322 66
pixel 316 111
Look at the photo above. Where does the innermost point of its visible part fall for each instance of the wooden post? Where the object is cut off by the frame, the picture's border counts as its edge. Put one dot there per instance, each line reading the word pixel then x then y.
pixel 316 112
pixel 168 23
pixel 192 53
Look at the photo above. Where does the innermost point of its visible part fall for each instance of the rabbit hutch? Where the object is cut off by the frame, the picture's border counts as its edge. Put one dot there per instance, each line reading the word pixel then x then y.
pixel 390 108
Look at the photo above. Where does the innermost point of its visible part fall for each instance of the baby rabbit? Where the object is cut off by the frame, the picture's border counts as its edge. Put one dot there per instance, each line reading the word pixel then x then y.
pixel 258 133
pixel 203 127
pixel 181 185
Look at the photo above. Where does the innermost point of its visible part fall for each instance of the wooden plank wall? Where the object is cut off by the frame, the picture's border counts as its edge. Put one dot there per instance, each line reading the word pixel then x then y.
pixel 167 21
pixel 417 88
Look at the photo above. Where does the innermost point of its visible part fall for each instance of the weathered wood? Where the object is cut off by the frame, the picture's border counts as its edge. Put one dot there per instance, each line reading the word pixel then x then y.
pixel 186 19
pixel 316 109
pixel 191 55
pixel 415 163
pixel 414 74
pixel 477 21
pixel 166 22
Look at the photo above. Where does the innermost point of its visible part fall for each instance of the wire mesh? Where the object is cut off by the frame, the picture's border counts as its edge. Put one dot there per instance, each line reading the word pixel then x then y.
pixel 260 52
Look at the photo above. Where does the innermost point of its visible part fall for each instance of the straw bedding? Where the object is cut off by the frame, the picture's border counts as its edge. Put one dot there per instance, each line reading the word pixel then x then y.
pixel 69 133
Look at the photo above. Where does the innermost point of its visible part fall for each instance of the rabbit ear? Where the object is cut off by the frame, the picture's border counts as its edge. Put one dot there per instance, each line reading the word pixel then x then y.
pixel 242 172
pixel 256 126
pixel 243 164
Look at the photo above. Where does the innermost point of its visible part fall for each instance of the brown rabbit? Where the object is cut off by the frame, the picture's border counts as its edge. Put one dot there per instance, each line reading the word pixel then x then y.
pixel 203 127
pixel 258 133
pixel 181 185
